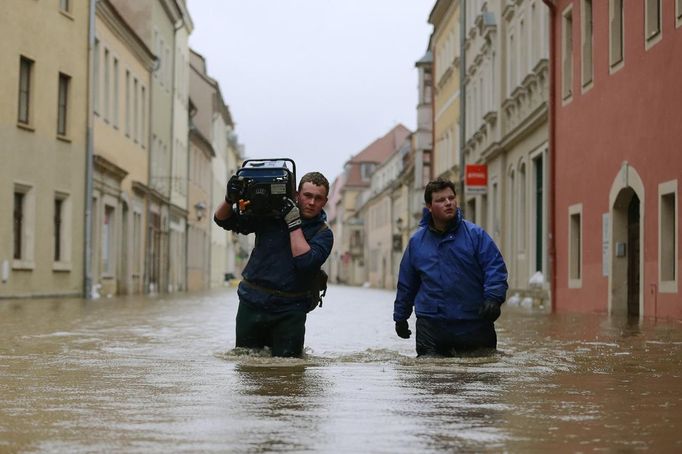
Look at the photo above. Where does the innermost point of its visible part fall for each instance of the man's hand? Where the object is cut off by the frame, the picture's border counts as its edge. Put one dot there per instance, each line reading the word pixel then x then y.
pixel 232 182
pixel 402 329
pixel 490 310
pixel 292 215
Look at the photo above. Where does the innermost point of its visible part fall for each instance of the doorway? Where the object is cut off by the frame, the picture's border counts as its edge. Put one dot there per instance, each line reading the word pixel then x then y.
pixel 626 255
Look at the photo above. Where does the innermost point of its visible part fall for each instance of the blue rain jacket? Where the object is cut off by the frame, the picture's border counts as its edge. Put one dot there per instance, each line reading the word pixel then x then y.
pixel 272 265
pixel 447 276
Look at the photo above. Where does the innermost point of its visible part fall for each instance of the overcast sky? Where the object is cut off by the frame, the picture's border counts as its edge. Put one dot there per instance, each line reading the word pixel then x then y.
pixel 314 80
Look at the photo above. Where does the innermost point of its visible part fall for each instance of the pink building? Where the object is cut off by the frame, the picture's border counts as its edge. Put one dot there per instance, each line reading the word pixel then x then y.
pixel 616 146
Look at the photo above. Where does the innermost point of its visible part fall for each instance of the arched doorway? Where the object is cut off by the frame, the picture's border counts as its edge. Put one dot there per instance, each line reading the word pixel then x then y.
pixel 625 275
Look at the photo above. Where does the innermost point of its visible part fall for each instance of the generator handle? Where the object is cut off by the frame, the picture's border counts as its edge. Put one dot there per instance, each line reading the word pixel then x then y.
pixel 293 164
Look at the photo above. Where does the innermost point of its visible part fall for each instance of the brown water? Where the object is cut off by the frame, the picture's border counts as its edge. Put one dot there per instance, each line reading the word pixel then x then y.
pixel 154 375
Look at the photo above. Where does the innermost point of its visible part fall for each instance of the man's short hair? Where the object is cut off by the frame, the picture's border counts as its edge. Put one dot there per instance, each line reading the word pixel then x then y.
pixel 315 178
pixel 437 185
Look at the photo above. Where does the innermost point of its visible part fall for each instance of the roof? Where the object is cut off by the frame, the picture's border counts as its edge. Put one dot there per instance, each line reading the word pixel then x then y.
pixel 379 150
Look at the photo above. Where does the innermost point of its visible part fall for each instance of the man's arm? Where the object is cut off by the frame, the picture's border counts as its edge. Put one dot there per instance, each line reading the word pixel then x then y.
pixel 408 286
pixel 224 211
pixel 494 270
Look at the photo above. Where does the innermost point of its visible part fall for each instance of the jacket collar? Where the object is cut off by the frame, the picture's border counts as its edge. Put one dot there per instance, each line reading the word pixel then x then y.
pixel 427 221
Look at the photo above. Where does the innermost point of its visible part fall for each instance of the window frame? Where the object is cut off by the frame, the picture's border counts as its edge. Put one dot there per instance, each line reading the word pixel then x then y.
pixel 575 251
pixel 567 54
pixel 586 44
pixel 616 62
pixel 652 37
pixel 24 111
pixel 666 189
pixel 27 227
pixel 63 93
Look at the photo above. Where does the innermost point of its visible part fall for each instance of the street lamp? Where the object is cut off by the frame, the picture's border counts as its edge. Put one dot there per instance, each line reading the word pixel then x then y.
pixel 200 208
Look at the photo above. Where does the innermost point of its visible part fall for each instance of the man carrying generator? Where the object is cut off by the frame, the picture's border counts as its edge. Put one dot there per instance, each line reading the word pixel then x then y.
pixel 275 293
pixel 455 277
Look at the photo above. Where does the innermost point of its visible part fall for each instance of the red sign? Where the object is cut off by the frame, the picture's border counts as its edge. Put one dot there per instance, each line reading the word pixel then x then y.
pixel 476 178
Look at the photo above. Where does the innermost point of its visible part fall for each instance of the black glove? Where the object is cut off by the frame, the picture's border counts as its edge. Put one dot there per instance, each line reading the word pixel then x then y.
pixel 402 329
pixel 490 310
pixel 232 185
pixel 292 215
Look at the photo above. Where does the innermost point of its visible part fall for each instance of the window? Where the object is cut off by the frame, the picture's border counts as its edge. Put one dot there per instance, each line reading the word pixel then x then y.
pixel 539 216
pixel 678 12
pixel 652 18
pixel 65 5
pixel 127 119
pixel 63 104
pixel 143 116
pixel 23 225
pixel 137 241
pixel 107 86
pixel 116 95
pixel 108 240
pixel 135 110
pixel 587 33
pixel 575 246
pixel 18 231
pixel 667 236
pixel 521 219
pixel 616 52
pixel 95 69
pixel 57 227
pixel 25 70
pixel 567 59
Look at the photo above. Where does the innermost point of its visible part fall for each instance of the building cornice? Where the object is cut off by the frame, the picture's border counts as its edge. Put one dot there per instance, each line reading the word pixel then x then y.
pixel 120 28
pixel 105 166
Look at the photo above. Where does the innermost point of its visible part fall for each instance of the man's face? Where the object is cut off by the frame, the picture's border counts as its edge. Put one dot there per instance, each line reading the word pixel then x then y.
pixel 443 205
pixel 311 199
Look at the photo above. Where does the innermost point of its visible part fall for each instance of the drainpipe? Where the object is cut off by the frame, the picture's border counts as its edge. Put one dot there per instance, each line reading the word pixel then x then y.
pixel 89 152
pixel 462 98
pixel 551 246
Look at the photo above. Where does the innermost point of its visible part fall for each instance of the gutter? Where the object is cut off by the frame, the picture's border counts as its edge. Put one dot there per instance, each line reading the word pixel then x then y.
pixel 551 114
pixel 89 152
pixel 462 97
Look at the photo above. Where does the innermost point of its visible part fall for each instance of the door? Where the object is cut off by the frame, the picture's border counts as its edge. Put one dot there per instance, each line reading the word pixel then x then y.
pixel 633 257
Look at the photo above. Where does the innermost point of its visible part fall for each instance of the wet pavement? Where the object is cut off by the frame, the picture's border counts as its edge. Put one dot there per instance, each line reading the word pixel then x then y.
pixel 158 374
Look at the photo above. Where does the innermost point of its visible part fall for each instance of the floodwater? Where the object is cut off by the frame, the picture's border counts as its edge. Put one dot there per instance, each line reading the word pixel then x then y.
pixel 157 375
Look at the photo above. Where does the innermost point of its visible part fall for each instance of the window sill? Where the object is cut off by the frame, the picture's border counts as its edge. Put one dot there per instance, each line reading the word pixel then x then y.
pixel 653 40
pixel 66 14
pixel 615 67
pixel 667 287
pixel 575 283
pixel 23 265
pixel 25 126
pixel 61 266
pixel 63 138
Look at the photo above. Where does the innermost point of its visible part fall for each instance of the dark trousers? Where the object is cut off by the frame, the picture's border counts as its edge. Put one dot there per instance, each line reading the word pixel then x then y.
pixel 453 338
pixel 283 332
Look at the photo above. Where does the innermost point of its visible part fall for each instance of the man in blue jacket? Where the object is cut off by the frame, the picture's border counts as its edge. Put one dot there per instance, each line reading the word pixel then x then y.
pixel 454 276
pixel 275 292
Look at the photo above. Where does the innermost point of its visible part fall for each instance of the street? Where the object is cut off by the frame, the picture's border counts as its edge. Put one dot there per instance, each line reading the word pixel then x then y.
pixel 159 374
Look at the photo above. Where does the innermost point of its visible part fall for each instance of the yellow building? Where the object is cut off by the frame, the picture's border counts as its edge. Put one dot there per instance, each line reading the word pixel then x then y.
pixel 43 126
pixel 445 18
pixel 122 66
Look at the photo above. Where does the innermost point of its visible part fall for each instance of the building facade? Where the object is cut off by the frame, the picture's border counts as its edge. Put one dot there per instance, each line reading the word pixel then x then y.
pixel 122 66
pixel 43 125
pixel 617 161
pixel 505 130
pixel 445 49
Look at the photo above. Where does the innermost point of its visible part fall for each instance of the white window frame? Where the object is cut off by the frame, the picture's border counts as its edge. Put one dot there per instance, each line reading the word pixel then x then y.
pixel 667 188
pixel 28 211
pixel 678 13
pixel 567 54
pixel 63 114
pixel 573 249
pixel 652 36
pixel 586 45
pixel 64 263
pixel 615 65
